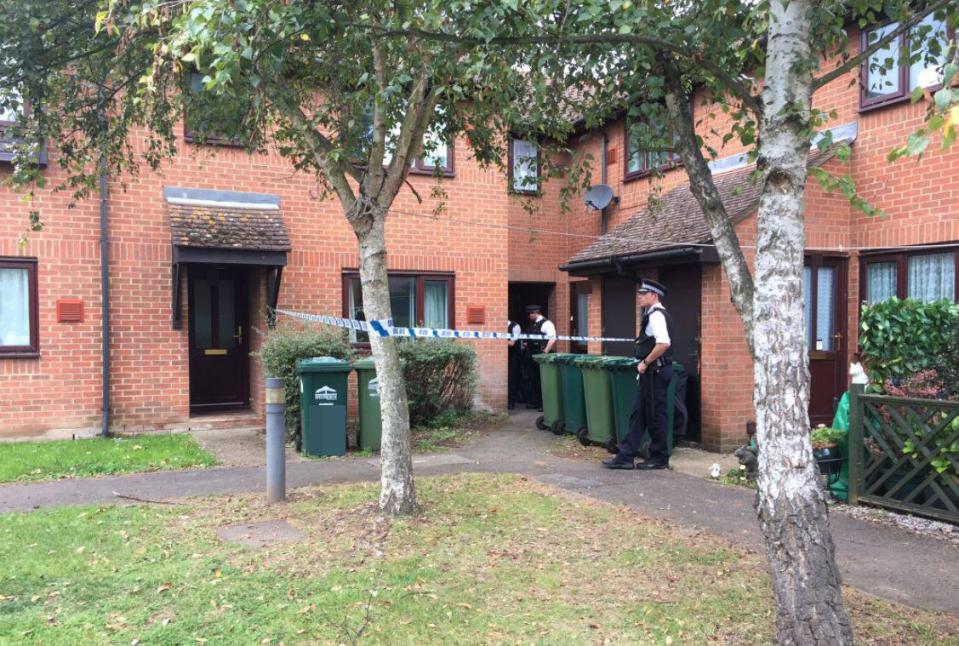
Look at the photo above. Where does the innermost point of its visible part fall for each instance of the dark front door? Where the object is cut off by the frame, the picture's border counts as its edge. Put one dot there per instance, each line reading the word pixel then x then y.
pixel 684 302
pixel 219 338
pixel 619 314
pixel 824 298
pixel 579 314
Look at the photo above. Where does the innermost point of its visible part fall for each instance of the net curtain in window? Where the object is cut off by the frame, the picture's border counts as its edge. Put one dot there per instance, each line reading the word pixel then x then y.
pixel 14 307
pixel 932 277
pixel 435 304
pixel 881 281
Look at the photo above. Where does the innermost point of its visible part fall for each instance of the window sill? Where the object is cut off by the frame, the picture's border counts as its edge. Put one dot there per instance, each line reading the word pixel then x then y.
pixel 531 193
pixel 640 174
pixel 431 172
pixel 24 354
pixel 214 141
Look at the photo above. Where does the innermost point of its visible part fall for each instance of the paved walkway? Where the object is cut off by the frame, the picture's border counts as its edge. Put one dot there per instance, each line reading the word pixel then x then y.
pixel 884 561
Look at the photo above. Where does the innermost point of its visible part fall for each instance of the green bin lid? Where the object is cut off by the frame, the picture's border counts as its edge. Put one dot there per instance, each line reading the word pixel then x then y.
pixel 322 364
pixel 542 357
pixel 586 359
pixel 364 364
pixel 621 362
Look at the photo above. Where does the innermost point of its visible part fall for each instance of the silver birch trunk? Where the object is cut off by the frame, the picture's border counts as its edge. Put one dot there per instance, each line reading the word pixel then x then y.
pixel 791 502
pixel 397 494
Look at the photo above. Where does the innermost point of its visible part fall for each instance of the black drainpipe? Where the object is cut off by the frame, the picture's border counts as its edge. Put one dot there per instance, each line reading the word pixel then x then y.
pixel 105 296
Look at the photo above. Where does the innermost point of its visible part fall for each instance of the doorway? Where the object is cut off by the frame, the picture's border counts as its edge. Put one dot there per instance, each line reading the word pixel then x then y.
pixel 579 292
pixel 684 302
pixel 619 314
pixel 218 338
pixel 523 294
pixel 824 302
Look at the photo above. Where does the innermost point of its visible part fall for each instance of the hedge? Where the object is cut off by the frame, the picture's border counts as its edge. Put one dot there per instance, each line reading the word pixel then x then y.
pixel 900 338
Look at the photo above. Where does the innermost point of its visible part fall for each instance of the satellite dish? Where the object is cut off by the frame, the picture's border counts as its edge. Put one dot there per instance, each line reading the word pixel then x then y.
pixel 598 197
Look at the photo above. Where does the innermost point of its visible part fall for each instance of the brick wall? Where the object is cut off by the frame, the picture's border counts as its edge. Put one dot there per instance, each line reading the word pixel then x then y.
pixel 60 391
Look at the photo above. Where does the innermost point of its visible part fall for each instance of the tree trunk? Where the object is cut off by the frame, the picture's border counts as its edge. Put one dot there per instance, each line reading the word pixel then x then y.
pixel 791 502
pixel 397 495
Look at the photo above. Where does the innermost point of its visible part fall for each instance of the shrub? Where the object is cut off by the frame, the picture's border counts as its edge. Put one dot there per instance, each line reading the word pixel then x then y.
pixel 286 345
pixel 824 436
pixel 440 377
pixel 900 338
pixel 947 365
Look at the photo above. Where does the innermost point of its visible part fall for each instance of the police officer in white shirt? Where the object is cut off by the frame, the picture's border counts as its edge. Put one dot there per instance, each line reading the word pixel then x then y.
pixel 539 324
pixel 655 372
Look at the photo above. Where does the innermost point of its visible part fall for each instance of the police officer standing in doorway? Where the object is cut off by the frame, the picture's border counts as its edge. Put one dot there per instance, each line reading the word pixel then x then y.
pixel 655 371
pixel 539 324
pixel 515 356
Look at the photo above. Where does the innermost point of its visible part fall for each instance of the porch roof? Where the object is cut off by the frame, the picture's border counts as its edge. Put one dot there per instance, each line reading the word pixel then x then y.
pixel 226 220
pixel 676 221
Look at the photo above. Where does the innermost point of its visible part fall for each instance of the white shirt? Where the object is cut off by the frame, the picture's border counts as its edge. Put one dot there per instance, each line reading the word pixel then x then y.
pixel 656 326
pixel 548 328
pixel 514 329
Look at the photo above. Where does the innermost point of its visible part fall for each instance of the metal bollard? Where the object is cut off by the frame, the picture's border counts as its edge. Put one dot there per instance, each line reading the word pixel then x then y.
pixel 275 440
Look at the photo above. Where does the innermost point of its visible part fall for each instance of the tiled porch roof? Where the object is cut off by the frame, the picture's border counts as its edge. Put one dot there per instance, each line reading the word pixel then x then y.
pixel 227 225
pixel 677 220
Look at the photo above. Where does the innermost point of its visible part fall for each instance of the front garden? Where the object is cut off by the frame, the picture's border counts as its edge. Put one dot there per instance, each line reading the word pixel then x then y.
pixel 492 559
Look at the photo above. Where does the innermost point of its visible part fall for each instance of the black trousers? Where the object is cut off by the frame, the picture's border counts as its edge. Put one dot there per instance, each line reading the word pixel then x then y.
pixel 535 383
pixel 649 413
pixel 513 378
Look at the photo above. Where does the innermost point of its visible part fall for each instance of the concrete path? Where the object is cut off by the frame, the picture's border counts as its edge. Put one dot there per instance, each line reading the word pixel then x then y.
pixel 884 561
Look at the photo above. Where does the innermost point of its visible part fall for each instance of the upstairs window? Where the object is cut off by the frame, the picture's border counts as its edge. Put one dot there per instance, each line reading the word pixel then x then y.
pixel 213 119
pixel 649 147
pixel 523 166
pixel 19 329
pixel 893 71
pixel 437 154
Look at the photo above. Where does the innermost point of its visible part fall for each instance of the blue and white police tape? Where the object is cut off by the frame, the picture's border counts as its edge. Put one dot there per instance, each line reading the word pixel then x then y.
pixel 385 328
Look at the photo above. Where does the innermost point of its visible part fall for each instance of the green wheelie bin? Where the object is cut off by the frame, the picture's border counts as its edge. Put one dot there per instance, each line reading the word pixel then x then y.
pixel 323 405
pixel 600 427
pixel 552 390
pixel 623 382
pixel 368 389
pixel 574 404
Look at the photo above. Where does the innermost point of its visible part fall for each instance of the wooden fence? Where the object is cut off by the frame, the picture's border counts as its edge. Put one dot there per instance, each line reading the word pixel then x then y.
pixel 904 454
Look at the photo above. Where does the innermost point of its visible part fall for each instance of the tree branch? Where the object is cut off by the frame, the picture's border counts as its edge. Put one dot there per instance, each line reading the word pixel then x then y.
pixel 734 85
pixel 707 195
pixel 419 110
pixel 903 27
pixel 320 148
pixel 378 147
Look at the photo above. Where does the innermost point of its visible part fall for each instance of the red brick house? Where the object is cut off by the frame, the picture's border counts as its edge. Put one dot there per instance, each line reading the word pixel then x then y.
pixel 197 251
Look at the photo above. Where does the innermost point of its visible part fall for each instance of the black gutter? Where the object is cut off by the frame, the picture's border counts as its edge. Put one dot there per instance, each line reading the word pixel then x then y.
pixel 105 297
pixel 609 262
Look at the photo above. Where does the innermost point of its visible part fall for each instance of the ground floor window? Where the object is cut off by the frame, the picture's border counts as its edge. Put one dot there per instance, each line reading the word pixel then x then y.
pixel 417 300
pixel 927 275
pixel 18 307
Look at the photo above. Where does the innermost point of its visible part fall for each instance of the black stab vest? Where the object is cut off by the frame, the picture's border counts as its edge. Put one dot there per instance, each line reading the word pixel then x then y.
pixel 645 344
pixel 536 346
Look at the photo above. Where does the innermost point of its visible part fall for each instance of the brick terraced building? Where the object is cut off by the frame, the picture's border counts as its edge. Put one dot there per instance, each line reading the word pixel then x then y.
pixel 199 250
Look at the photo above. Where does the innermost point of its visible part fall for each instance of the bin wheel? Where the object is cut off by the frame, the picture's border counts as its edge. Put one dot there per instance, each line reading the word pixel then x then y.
pixel 541 423
pixel 558 427
pixel 611 446
pixel 582 436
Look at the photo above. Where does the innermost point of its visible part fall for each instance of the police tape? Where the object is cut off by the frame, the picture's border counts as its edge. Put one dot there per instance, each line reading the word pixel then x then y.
pixel 385 328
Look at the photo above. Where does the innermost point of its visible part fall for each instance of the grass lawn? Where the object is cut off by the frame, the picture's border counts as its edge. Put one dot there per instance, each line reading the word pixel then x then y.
pixel 491 559
pixel 21 461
